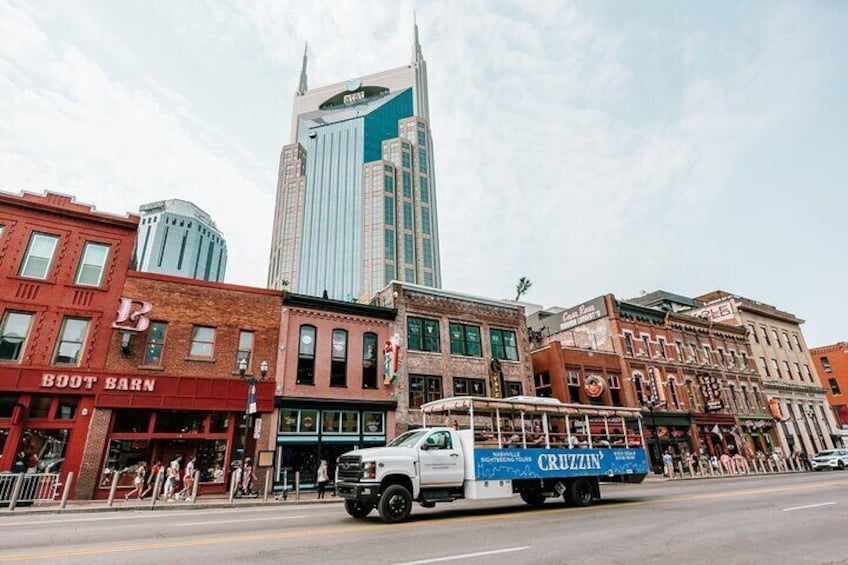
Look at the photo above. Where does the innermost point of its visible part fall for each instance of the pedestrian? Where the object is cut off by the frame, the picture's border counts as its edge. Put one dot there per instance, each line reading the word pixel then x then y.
pixel 321 478
pixel 138 481
pixel 151 478
pixel 188 481
pixel 247 478
pixel 668 464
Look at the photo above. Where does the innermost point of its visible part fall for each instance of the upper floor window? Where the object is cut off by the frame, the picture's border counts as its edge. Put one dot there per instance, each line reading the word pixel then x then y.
pixel 245 349
pixel 647 346
pixel 662 347
pixel 753 333
pixel 809 374
pixel 798 371
pixel 469 387
pixel 423 389
pixel 673 392
pixel 708 354
pixel 744 359
pixel 543 384
pixel 776 368
pixel 733 360
pixel 465 340
pixel 71 341
pixel 678 347
pixel 503 344
pixel 764 366
pixel 155 343
pixel 733 397
pixel 572 377
pixel 776 337
pixel 798 342
pixel 834 386
pixel 422 334
pixel 628 344
pixel 306 356
pixel 92 264
pixel 514 388
pixel 639 385
pixel 826 364
pixel 615 389
pixel 721 356
pixel 13 335
pixel 786 339
pixel 39 255
pixel 764 331
pixel 338 359
pixel 694 351
pixel 202 342
pixel 369 360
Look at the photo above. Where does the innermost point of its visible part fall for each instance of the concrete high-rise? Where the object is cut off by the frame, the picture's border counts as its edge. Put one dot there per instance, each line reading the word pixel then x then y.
pixel 356 197
pixel 175 237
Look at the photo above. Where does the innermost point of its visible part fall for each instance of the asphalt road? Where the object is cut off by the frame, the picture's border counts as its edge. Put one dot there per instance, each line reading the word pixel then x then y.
pixel 777 519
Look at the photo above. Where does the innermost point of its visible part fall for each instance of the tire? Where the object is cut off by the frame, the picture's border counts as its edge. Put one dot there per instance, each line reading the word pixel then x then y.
pixel 840 466
pixel 533 497
pixel 357 509
pixel 579 493
pixel 395 504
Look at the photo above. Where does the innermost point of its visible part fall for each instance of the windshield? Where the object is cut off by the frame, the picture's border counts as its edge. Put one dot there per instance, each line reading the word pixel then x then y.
pixel 826 454
pixel 408 439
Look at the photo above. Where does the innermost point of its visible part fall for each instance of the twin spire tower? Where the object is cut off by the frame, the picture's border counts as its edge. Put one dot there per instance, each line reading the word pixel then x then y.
pixel 356 194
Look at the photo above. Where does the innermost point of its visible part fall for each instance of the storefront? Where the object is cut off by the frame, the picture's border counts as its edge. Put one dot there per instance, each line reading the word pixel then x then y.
pixel 718 433
pixel 310 430
pixel 118 421
pixel 667 432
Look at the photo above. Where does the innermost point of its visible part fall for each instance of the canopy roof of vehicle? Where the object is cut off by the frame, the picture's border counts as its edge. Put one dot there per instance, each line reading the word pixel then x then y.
pixel 530 404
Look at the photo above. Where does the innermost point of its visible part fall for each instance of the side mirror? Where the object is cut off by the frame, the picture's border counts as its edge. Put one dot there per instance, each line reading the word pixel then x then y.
pixel 425 446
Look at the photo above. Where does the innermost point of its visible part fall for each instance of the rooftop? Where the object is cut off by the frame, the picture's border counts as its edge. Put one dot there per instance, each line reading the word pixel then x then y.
pixel 177 206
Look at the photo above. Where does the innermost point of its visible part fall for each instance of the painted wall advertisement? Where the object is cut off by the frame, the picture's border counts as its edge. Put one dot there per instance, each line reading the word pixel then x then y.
pixel 496 464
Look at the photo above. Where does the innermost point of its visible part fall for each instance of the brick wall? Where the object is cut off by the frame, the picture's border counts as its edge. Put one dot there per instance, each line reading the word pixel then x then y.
pixel 95 445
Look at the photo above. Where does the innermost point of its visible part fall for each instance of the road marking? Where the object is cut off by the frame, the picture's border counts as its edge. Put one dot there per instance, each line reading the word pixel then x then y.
pixel 418 524
pixel 808 506
pixel 466 555
pixel 264 519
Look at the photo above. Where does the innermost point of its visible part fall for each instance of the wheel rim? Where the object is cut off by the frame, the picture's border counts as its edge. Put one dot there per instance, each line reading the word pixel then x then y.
pixel 584 493
pixel 397 505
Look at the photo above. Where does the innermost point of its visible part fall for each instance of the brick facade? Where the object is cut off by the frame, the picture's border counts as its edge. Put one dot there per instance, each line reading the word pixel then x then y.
pixel 831 366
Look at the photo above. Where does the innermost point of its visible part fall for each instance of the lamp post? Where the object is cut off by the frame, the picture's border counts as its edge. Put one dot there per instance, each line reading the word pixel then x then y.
pixel 251 400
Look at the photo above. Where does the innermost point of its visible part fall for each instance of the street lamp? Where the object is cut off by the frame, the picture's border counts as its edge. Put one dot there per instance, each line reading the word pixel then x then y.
pixel 251 400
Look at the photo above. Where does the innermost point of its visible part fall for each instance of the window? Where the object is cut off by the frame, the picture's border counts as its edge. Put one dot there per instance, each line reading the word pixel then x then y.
pixel 469 387
pixel 407 216
pixel 13 335
pixel 423 334
pixel 339 422
pixel 798 342
pixel 427 245
pixel 389 210
pixel 439 440
pixel 92 264
pixel 389 244
pixel 647 347
pixel 753 333
pixel 755 398
pixel 406 178
pixel 423 389
pixel 776 337
pixel 514 388
pixel 422 161
pixel 424 189
pixel 425 220
pixel 826 364
pixel 369 360
pixel 71 340
pixel 661 342
pixel 678 346
pixel 834 386
pixel 245 349
pixel 628 344
pixel 694 351
pixel 765 335
pixel 338 359
pixel 746 406
pixel 130 420
pixel 708 354
pixel 764 367
pixel 733 397
pixel 306 356
pixel 39 255
pixel 787 369
pixel 798 371
pixel 404 156
pixel 503 345
pixel 373 423
pixel 202 342
pixel 808 373
pixel 465 340
pixel 673 393
pixel 744 360
pixel 639 385
pixel 572 379
pixel 155 343
pixel 615 389
pixel 408 250
pixel 543 384
pixel 786 339
pixel 733 360
pixel 776 368
pixel 39 406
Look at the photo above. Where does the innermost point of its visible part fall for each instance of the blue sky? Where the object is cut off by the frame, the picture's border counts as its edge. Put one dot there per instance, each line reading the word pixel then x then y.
pixel 594 147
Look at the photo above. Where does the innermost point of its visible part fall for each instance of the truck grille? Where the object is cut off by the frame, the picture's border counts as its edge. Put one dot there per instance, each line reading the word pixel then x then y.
pixel 350 468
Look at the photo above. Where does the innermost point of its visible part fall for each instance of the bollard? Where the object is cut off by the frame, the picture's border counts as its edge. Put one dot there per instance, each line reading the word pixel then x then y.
pixel 67 490
pixel 16 491
pixel 267 485
pixel 297 485
pixel 680 468
pixel 157 486
pixel 115 476
pixel 233 487
pixel 194 485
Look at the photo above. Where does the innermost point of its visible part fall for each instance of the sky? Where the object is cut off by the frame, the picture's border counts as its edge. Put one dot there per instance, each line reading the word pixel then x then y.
pixel 591 146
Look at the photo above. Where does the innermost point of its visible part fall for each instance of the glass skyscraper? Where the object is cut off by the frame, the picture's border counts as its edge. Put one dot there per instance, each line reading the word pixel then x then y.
pixel 356 199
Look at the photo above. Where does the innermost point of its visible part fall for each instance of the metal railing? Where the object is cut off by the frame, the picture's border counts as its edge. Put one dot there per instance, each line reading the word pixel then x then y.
pixel 703 467
pixel 28 488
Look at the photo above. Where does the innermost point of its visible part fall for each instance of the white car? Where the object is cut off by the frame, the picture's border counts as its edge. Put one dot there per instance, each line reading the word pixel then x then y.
pixel 831 459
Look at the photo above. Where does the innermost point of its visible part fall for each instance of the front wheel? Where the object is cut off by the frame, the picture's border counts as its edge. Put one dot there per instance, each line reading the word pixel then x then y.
pixel 579 493
pixel 395 504
pixel 533 497
pixel 840 466
pixel 358 509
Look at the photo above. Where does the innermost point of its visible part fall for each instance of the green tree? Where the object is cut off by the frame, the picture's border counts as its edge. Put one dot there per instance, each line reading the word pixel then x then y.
pixel 522 287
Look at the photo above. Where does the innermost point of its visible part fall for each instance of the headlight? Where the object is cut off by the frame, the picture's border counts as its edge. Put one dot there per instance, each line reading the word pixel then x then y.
pixel 369 470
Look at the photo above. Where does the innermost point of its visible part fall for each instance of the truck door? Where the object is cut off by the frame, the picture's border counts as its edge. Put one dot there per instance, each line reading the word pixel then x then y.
pixel 441 461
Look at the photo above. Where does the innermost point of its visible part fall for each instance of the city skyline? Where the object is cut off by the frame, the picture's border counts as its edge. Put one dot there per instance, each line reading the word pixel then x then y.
pixel 670 149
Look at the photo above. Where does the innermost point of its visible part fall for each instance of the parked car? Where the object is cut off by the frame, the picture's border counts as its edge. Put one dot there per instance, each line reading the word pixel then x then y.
pixel 831 459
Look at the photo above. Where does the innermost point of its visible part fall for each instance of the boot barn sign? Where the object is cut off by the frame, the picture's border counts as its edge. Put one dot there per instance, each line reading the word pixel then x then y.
pixel 58 381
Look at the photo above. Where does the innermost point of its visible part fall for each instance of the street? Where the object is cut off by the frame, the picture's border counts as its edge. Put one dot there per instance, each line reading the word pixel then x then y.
pixel 778 519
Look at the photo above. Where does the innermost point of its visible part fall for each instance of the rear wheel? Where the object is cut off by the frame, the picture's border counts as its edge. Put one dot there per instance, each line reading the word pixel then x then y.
pixel 395 504
pixel 533 497
pixel 358 509
pixel 579 493
pixel 841 465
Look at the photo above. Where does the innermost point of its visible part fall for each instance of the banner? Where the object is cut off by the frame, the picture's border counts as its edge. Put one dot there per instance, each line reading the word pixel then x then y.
pixel 497 464
pixel 391 359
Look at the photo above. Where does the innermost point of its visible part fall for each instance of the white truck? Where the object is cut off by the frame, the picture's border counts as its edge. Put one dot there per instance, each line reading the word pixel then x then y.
pixel 494 448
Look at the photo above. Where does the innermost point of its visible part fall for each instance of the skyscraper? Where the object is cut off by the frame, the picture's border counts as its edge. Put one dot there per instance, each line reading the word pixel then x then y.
pixel 175 237
pixel 356 197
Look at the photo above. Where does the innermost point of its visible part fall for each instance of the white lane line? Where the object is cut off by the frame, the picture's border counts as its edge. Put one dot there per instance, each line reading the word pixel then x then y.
pixel 808 506
pixel 265 519
pixel 466 555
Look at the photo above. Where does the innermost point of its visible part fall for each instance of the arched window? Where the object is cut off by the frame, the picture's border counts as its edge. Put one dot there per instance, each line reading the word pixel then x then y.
pixel 673 392
pixel 369 360
pixel 306 356
pixel 338 359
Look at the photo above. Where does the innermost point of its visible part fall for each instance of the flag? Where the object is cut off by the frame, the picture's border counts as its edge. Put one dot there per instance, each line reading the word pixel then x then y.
pixel 251 398
pixel 716 430
pixel 391 359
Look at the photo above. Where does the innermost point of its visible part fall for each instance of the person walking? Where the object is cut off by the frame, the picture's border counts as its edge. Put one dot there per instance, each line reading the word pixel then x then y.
pixel 188 481
pixel 668 464
pixel 247 478
pixel 138 482
pixel 322 478
pixel 151 478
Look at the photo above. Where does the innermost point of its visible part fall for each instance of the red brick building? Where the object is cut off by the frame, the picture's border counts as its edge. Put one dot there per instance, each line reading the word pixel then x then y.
pixel 331 395
pixel 62 270
pixel 831 363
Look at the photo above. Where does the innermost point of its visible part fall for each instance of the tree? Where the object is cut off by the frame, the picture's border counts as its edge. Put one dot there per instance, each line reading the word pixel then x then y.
pixel 522 287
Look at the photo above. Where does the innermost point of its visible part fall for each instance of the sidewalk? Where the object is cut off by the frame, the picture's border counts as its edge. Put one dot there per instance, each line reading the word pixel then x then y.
pixel 119 505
